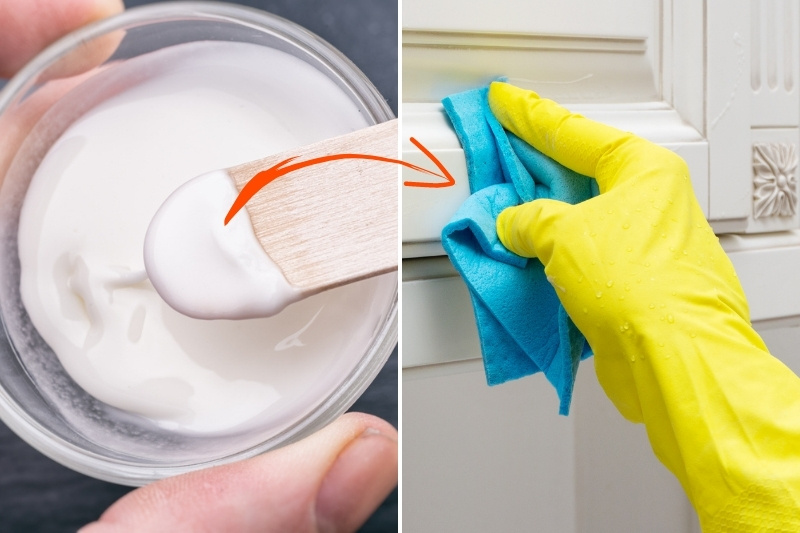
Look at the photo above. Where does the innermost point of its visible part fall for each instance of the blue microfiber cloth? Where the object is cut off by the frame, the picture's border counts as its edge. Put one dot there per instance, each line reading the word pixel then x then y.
pixel 522 326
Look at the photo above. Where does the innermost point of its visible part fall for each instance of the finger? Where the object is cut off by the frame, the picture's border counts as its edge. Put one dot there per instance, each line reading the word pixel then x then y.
pixel 330 481
pixel 529 229
pixel 28 26
pixel 25 28
pixel 596 150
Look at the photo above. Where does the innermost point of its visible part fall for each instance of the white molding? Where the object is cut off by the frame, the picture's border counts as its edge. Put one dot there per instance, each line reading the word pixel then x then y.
pixel 728 99
pixel 767 268
pixel 564 67
pixel 774 65
pixel 477 40
pixel 413 250
pixel 604 18
pixel 438 322
pixel 440 327
pixel 683 65
pixel 425 211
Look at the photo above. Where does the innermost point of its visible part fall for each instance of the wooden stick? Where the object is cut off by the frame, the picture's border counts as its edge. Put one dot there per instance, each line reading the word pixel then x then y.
pixel 334 222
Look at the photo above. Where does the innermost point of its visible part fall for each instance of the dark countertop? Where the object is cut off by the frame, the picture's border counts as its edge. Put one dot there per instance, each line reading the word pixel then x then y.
pixel 39 495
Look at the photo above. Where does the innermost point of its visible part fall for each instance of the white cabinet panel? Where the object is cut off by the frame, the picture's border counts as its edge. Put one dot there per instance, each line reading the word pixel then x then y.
pixel 481 459
pixel 568 17
pixel 728 110
pixel 604 50
pixel 619 484
pixel 438 322
pixel 767 268
pixel 727 71
pixel 568 68
pixel 783 343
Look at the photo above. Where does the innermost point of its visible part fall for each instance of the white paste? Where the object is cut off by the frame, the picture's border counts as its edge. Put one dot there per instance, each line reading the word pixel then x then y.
pixel 83 225
pixel 206 269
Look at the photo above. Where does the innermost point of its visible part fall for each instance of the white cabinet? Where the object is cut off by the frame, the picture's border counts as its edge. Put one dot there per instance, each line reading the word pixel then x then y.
pixel 715 80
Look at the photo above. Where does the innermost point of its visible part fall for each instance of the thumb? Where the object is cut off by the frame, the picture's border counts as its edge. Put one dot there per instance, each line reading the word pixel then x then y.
pixel 529 229
pixel 330 481
pixel 28 26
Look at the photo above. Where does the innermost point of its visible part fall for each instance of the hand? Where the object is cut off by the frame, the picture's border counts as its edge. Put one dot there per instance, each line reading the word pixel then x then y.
pixel 331 481
pixel 642 275
pixel 28 26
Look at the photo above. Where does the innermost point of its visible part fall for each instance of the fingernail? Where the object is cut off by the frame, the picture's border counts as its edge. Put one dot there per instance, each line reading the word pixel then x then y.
pixel 358 481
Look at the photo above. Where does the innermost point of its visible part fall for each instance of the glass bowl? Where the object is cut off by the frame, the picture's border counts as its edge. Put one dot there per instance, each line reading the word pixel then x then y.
pixel 39 400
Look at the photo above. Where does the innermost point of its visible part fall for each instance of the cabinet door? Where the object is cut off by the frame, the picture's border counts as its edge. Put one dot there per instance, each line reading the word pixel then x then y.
pixel 714 80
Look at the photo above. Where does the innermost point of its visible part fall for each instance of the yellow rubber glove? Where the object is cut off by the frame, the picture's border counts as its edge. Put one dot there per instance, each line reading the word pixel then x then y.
pixel 644 278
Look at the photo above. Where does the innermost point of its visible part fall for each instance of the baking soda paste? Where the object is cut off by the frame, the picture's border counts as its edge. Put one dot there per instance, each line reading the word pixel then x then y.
pixel 206 269
pixel 195 108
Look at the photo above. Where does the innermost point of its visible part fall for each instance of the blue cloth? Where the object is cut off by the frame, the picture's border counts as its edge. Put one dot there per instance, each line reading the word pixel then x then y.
pixel 522 326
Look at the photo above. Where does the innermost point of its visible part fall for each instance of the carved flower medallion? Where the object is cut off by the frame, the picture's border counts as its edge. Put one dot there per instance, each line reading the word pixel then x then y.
pixel 775 184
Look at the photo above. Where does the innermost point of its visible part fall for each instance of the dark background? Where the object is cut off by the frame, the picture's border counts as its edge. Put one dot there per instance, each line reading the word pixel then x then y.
pixel 39 495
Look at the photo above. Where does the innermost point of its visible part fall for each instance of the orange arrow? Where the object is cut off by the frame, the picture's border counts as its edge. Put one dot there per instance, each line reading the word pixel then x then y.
pixel 449 180
pixel 264 177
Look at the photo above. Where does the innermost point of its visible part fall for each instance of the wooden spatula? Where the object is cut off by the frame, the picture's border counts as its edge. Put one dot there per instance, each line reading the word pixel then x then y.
pixel 334 221
pixel 325 214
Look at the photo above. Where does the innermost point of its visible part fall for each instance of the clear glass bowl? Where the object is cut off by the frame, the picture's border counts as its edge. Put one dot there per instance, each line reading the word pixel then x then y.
pixel 101 441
